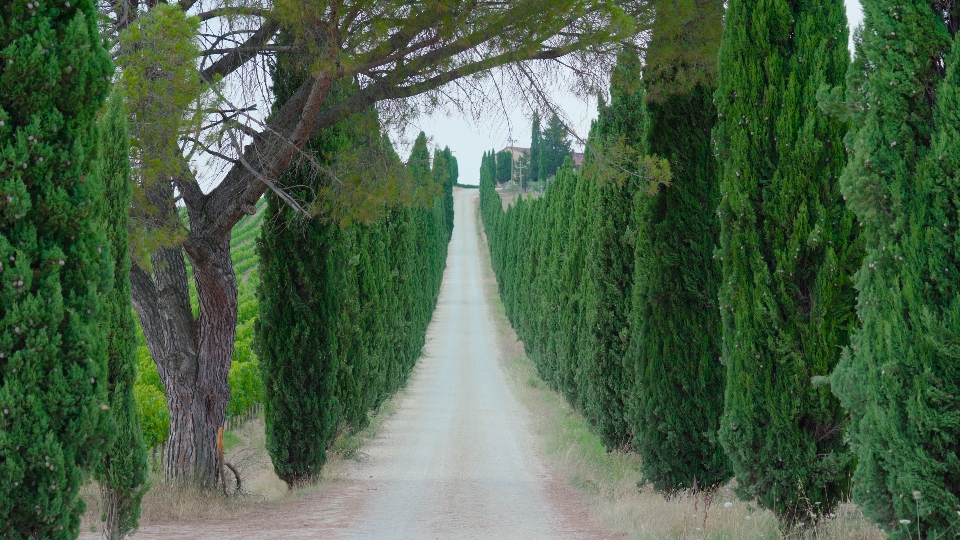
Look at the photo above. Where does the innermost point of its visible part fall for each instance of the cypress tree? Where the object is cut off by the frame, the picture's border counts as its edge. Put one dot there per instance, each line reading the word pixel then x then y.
pixel 899 376
pixel 302 274
pixel 300 278
pixel 419 162
pixel 787 249
pixel 55 265
pixel 504 163
pixel 560 197
pixel 344 305
pixel 535 138
pixel 677 401
pixel 554 148
pixel 123 471
pixel 445 173
pixel 454 168
pixel 609 257
pixel 570 304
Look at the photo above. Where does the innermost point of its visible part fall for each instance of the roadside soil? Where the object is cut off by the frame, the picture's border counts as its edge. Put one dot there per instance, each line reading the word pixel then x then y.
pixel 457 459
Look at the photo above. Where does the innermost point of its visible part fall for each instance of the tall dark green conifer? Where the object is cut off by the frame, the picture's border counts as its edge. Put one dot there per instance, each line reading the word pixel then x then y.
pixel 899 378
pixel 788 249
pixel 123 472
pixel 302 276
pixel 419 161
pixel 675 322
pixel 536 136
pixel 504 166
pixel 54 423
pixel 554 148
pixel 344 305
pixel 609 255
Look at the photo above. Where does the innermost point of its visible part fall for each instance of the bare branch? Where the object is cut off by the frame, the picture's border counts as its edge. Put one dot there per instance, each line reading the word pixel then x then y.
pixel 240 55
pixel 227 11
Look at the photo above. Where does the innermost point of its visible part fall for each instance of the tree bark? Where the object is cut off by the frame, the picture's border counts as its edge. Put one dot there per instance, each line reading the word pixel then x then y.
pixel 192 355
pixel 111 512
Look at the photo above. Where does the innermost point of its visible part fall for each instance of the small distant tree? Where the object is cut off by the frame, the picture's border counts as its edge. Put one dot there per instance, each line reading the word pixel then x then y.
pixel 534 173
pixel 442 177
pixel 452 165
pixel 504 166
pixel 554 148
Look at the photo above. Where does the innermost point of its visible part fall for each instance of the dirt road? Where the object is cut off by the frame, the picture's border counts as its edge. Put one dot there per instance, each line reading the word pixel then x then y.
pixel 456 461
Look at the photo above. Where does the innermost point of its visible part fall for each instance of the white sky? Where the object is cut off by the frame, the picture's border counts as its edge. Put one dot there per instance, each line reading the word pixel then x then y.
pixel 468 139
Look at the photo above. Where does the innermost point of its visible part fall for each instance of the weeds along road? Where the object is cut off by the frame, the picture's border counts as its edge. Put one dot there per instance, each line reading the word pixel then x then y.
pixel 456 460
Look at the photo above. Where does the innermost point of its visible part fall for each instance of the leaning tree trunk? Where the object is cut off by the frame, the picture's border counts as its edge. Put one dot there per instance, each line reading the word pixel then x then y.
pixel 192 355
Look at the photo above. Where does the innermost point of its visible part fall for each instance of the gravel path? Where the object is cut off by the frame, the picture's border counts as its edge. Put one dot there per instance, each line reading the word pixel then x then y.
pixel 456 460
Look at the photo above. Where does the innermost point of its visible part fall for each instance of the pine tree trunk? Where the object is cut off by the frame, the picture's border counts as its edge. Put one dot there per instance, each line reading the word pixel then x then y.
pixel 193 356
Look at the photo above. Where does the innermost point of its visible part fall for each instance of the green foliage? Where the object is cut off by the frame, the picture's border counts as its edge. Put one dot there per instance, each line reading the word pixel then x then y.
pixel 445 172
pixel 504 166
pixel 246 388
pixel 674 320
pixel 899 378
pixel 537 249
pixel 344 306
pixel 788 249
pixel 554 148
pixel 56 264
pixel 564 262
pixel 151 401
pixel 608 248
pixel 685 54
pixel 123 471
pixel 533 175
pixel 161 87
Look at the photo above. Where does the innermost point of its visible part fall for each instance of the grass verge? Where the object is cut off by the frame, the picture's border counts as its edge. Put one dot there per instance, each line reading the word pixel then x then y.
pixel 608 480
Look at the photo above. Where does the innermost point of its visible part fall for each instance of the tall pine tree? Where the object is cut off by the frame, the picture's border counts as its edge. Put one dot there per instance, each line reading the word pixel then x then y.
pixel 54 419
pixel 899 378
pixel 123 471
pixel 788 249
pixel 677 402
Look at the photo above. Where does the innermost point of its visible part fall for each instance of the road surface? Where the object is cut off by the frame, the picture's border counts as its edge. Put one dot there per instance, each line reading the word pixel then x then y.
pixel 456 460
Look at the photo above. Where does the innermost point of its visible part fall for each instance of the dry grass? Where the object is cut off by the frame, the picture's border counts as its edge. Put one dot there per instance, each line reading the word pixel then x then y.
pixel 246 449
pixel 609 480
pixel 165 503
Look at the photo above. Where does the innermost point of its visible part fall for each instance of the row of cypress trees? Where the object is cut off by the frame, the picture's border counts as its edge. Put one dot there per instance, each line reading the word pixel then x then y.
pixel 344 308
pixel 343 315
pixel 783 308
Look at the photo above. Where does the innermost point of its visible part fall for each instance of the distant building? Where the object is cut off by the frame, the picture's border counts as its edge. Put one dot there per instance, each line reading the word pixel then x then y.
pixel 518 151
